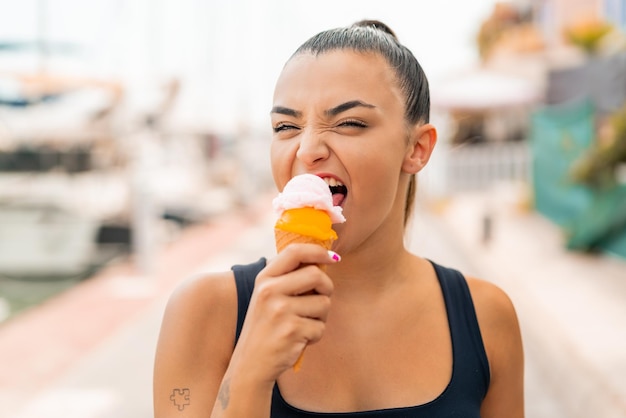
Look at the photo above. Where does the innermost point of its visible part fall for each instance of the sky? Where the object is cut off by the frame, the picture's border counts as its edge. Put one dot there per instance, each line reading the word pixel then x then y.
pixel 227 54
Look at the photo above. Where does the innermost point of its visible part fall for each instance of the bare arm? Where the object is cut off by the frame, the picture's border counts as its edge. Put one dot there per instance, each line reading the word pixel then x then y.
pixel 194 347
pixel 196 369
pixel 502 338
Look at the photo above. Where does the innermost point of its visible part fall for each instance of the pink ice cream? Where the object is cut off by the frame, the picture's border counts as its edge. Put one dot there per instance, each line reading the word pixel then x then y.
pixel 308 190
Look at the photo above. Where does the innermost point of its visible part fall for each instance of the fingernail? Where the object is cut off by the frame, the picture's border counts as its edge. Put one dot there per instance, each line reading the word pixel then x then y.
pixel 334 256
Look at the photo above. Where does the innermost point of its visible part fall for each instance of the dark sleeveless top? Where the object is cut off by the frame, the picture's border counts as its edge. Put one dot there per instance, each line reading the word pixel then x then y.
pixel 470 369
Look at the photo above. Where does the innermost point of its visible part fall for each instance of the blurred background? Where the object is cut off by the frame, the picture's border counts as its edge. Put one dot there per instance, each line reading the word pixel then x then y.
pixel 134 152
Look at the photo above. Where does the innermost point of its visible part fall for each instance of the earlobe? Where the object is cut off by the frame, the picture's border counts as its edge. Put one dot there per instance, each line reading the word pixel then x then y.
pixel 422 142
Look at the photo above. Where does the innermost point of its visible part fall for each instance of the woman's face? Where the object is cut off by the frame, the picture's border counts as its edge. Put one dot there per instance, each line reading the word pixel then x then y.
pixel 340 115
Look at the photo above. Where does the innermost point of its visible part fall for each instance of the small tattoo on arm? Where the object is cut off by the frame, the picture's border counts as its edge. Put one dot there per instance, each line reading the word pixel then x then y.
pixel 224 394
pixel 180 398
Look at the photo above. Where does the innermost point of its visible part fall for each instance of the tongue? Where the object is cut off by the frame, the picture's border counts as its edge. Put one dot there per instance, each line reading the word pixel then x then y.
pixel 337 199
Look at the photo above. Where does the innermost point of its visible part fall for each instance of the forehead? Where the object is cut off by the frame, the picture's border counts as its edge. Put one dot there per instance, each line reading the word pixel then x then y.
pixel 336 75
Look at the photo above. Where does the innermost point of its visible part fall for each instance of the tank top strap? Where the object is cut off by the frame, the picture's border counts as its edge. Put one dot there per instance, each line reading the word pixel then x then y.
pixel 470 358
pixel 245 276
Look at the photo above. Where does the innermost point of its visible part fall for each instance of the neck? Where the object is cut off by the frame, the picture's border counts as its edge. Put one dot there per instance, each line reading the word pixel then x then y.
pixel 376 265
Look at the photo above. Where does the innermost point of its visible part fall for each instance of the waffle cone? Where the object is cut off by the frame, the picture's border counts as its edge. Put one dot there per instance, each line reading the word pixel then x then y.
pixel 283 239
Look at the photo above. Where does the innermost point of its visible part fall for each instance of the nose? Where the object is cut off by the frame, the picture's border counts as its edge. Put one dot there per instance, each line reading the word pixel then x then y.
pixel 312 148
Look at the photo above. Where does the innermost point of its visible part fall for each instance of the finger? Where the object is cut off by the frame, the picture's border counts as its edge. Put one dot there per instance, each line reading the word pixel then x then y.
pixel 295 255
pixel 310 330
pixel 313 306
pixel 304 280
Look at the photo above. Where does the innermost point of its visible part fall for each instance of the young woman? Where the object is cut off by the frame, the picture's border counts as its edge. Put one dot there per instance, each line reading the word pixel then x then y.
pixel 388 334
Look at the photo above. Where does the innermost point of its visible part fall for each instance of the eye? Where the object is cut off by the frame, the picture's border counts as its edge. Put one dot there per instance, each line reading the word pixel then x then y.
pixel 352 123
pixel 281 127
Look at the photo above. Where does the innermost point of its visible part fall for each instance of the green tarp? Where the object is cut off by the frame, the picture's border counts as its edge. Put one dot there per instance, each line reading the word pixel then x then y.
pixel 559 135
pixel 593 219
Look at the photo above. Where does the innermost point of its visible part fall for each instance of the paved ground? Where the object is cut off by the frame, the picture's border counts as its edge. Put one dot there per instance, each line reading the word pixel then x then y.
pixel 89 352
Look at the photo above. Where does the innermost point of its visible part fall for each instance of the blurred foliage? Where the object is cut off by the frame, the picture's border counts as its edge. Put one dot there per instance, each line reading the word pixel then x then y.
pixel 597 168
pixel 503 18
pixel 587 34
pixel 508 28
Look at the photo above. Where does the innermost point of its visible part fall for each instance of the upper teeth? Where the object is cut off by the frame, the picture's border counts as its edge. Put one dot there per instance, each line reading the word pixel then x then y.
pixel 332 181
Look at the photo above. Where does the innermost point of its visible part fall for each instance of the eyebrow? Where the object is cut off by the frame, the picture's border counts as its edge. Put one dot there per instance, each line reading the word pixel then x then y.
pixel 347 106
pixel 286 111
pixel 330 112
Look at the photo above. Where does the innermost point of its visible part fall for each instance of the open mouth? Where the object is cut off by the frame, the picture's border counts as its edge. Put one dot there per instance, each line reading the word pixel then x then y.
pixel 339 194
pixel 338 190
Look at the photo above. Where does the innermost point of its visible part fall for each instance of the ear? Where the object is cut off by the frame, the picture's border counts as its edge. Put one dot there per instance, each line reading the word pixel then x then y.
pixel 421 144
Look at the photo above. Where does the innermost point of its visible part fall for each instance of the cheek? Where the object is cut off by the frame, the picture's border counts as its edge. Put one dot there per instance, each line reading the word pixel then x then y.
pixel 378 180
pixel 280 161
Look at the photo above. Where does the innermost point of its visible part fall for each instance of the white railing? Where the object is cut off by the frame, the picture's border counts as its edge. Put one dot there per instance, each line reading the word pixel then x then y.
pixel 478 166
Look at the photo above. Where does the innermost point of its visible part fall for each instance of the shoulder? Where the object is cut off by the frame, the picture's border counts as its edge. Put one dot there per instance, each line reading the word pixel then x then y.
pixel 493 306
pixel 500 331
pixel 204 298
pixel 203 287
pixel 200 318
pixel 210 300
pixel 502 340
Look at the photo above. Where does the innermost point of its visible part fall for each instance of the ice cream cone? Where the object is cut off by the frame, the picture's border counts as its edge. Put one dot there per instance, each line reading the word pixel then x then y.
pixel 284 239
pixel 306 216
